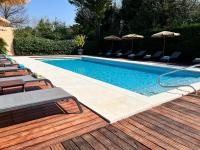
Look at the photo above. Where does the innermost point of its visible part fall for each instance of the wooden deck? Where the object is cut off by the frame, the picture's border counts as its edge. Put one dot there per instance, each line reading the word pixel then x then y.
pixel 174 125
pixel 38 127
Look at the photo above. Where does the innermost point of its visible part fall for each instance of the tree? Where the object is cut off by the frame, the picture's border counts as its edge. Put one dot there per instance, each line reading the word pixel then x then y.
pixel 90 14
pixel 149 14
pixel 15 14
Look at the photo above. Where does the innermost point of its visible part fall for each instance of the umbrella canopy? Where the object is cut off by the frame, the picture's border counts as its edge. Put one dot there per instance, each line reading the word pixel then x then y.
pixel 112 38
pixel 132 37
pixel 14 2
pixel 164 35
pixel 4 22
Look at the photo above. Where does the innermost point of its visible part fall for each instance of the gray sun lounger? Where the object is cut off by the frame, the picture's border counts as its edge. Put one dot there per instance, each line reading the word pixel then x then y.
pixel 13 69
pixel 27 79
pixel 18 101
pixel 196 61
pixel 175 55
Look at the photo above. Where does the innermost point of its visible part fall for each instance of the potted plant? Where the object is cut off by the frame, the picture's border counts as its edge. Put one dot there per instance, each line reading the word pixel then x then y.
pixel 2 46
pixel 80 42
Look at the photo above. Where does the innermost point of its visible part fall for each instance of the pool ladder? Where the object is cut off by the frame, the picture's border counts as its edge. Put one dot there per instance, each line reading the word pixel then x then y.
pixel 181 85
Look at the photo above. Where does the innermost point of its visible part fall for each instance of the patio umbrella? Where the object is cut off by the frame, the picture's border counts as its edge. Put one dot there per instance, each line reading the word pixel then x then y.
pixel 4 22
pixel 112 38
pixel 164 35
pixel 132 37
pixel 14 2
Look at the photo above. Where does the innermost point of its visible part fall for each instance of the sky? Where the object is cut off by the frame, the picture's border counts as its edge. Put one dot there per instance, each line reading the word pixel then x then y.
pixel 60 9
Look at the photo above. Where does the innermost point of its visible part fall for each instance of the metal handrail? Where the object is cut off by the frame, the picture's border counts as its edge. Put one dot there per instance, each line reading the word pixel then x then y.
pixel 175 71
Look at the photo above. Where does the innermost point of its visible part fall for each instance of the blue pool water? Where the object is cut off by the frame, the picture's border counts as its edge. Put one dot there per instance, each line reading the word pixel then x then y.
pixel 138 78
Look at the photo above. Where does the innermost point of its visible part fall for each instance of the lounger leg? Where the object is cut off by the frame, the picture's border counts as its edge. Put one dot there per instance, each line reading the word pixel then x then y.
pixel 77 103
pixel 48 82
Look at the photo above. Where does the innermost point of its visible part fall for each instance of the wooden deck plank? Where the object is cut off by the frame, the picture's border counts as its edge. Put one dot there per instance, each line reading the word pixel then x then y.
pixel 155 136
pixel 57 147
pixel 93 142
pixel 115 139
pixel 126 138
pixel 140 138
pixel 168 128
pixel 176 118
pixel 70 145
pixel 105 141
pixel 42 142
pixel 172 138
pixel 82 144
pixel 173 124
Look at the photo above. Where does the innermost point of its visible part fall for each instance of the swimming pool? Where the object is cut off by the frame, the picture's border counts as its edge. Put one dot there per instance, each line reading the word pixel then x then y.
pixel 138 78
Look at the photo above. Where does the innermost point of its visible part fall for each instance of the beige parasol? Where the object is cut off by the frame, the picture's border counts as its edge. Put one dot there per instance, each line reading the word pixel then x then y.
pixel 164 35
pixel 132 37
pixel 112 38
pixel 4 22
pixel 14 2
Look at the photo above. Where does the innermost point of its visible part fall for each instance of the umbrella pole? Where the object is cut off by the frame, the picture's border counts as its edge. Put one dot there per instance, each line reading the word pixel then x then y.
pixel 112 45
pixel 164 42
pixel 132 45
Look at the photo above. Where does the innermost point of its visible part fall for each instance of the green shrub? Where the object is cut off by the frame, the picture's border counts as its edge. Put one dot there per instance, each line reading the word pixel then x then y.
pixel 80 40
pixel 2 46
pixel 40 46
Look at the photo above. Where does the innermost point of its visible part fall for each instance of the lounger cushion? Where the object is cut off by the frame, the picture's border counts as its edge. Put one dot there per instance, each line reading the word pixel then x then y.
pixel 26 78
pixel 196 60
pixel 147 57
pixel 2 69
pixel 33 98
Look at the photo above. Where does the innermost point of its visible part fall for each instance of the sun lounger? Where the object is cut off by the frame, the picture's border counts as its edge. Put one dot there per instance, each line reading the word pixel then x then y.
pixel 109 53
pixel 126 53
pixel 18 101
pixel 3 70
pixel 7 63
pixel 116 53
pixel 27 79
pixel 156 55
pixel 175 55
pixel 2 56
pixel 139 54
pixel 196 61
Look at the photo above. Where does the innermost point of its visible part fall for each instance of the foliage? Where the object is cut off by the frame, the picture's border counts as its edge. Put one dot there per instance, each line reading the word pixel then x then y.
pixel 90 14
pixel 50 30
pixel 15 14
pixel 40 46
pixel 149 14
pixel 80 40
pixel 2 46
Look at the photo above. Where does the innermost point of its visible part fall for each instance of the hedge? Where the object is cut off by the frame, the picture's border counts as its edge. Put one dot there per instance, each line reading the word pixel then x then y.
pixel 40 46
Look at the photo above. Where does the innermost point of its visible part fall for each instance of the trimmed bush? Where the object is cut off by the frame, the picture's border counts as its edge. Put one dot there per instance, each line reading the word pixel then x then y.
pixel 40 46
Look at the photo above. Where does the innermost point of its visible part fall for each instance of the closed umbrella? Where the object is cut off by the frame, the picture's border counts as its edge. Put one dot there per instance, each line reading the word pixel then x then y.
pixel 112 38
pixel 132 37
pixel 14 2
pixel 164 35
